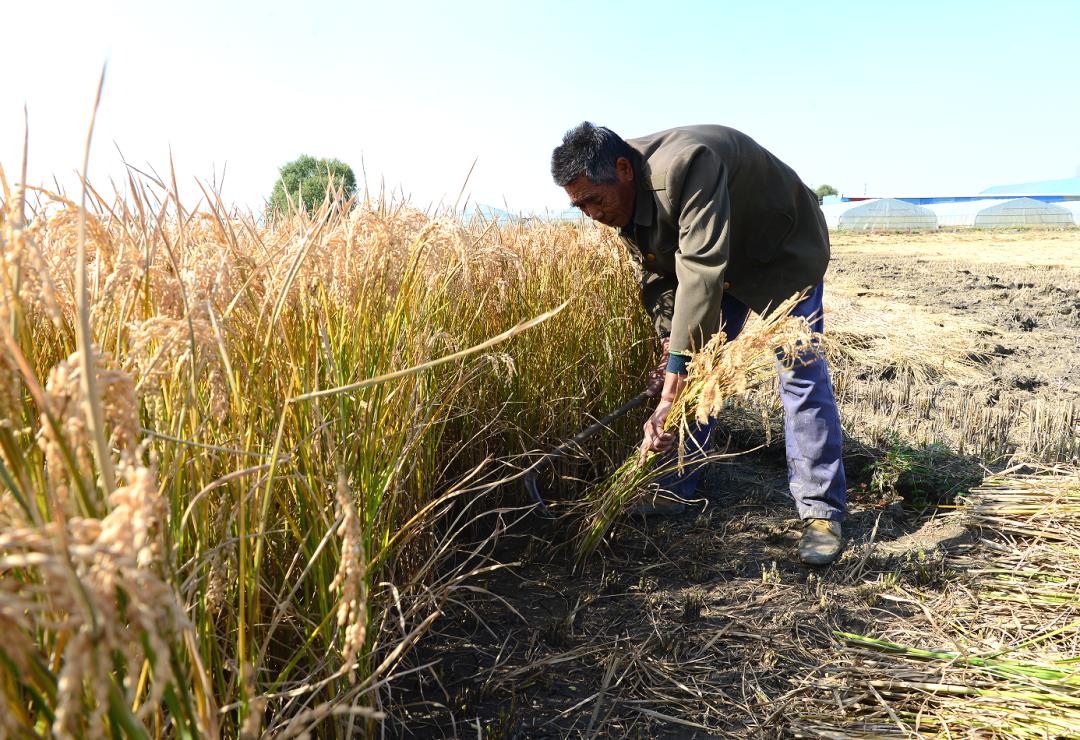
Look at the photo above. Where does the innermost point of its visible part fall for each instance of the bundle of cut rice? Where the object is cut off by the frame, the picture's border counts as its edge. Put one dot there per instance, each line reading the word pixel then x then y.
pixel 721 370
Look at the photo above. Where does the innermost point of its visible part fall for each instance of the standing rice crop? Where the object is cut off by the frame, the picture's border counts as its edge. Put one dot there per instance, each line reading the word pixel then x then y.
pixel 241 522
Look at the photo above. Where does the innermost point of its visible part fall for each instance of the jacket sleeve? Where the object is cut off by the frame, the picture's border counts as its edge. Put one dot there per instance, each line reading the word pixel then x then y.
pixel 658 297
pixel 702 256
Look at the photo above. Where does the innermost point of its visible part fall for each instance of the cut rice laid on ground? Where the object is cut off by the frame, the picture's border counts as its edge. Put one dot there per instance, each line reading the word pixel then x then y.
pixel 995 653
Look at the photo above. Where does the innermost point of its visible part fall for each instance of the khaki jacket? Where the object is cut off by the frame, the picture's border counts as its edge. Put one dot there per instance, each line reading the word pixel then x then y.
pixel 715 211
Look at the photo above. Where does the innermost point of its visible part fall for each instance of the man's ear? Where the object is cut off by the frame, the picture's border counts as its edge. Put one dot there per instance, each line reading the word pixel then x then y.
pixel 624 170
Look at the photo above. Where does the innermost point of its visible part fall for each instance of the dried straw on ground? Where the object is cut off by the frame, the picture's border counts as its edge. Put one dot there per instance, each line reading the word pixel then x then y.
pixel 994 653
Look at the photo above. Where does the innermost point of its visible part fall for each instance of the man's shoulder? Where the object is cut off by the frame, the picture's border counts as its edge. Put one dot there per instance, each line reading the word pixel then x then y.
pixel 674 140
pixel 667 152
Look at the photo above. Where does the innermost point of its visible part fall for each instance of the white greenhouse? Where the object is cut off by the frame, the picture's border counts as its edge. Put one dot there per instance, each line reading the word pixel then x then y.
pixel 887 214
pixel 988 212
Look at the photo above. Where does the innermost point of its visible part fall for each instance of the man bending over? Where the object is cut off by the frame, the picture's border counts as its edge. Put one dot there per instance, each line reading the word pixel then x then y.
pixel 718 227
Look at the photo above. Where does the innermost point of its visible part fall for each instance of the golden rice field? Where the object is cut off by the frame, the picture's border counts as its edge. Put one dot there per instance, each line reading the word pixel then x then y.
pixel 219 515
pixel 239 458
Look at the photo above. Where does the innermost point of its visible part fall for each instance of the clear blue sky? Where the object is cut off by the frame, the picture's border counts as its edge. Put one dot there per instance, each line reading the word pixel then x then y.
pixel 904 97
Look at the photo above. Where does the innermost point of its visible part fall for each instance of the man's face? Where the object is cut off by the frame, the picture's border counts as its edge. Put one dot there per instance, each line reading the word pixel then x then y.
pixel 610 204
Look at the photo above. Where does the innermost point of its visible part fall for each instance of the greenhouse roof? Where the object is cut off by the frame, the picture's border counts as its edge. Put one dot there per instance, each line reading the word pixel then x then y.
pixel 1068 186
pixel 887 214
pixel 998 212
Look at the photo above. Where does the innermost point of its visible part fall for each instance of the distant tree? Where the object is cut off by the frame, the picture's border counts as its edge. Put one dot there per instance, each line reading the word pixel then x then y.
pixel 825 190
pixel 305 181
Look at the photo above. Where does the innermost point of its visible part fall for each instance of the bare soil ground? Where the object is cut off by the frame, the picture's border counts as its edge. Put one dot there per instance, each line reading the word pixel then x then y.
pixel 706 624
pixel 1015 294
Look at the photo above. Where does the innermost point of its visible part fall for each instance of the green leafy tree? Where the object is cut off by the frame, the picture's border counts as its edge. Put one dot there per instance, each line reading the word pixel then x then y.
pixel 305 181
pixel 825 190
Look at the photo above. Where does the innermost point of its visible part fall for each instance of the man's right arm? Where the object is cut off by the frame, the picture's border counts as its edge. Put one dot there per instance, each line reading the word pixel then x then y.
pixel 658 298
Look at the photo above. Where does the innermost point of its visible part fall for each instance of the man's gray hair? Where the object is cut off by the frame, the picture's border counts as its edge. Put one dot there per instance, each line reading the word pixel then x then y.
pixel 588 150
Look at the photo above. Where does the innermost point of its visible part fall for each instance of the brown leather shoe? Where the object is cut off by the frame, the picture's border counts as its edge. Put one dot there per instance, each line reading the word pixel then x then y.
pixel 821 542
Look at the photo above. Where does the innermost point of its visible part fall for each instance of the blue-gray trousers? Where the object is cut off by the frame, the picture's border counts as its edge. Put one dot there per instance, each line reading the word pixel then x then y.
pixel 812 435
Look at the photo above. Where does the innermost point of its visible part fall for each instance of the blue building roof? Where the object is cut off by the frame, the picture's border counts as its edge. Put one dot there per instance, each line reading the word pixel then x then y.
pixel 1068 186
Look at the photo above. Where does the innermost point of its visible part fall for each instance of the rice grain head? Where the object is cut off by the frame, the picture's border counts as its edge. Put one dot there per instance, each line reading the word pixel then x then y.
pixel 163 348
pixel 65 403
pixel 122 600
pixel 351 578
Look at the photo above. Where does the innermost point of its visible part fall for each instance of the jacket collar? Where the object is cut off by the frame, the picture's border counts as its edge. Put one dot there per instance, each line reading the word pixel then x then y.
pixel 644 206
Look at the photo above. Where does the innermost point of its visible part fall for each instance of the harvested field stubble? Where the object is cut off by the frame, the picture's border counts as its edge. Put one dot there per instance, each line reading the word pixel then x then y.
pixel 993 318
pixel 954 351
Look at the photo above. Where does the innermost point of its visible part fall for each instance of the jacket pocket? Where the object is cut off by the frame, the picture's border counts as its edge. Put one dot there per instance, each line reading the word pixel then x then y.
pixel 776 227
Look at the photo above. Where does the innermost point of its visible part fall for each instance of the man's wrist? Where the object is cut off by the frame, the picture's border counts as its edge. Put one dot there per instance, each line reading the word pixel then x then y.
pixel 673 385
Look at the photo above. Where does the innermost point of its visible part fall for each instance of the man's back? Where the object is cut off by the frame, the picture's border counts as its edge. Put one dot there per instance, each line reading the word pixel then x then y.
pixel 778 241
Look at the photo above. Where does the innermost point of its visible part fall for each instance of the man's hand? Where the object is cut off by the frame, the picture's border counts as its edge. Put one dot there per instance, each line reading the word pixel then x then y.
pixel 656 375
pixel 656 439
